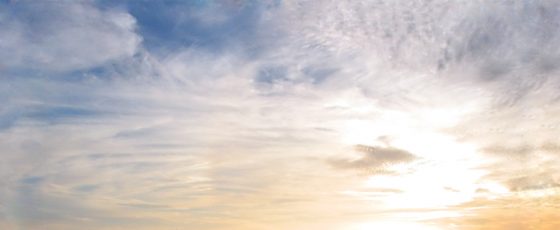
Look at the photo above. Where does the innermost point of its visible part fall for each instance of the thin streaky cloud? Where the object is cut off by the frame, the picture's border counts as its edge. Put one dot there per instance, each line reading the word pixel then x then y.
pixel 279 114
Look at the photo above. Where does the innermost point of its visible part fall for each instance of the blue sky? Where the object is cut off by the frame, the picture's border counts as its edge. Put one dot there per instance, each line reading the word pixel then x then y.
pixel 240 114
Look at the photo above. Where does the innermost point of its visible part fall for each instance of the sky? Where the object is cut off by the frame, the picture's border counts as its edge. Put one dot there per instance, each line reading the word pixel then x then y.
pixel 279 114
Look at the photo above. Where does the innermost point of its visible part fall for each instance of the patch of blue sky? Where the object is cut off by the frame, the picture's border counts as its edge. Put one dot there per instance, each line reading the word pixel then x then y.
pixel 319 74
pixel 86 188
pixel 214 26
pixel 45 114
pixel 32 180
pixel 272 74
pixel 53 114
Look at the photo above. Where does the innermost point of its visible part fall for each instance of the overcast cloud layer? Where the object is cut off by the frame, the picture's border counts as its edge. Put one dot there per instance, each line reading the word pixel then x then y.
pixel 279 114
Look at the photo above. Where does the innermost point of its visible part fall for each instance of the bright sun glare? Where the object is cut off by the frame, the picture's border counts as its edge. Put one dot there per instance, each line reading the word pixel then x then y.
pixel 445 172
pixel 389 225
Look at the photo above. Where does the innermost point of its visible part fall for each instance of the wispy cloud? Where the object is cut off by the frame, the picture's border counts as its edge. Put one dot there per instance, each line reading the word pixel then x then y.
pixel 374 158
pixel 209 114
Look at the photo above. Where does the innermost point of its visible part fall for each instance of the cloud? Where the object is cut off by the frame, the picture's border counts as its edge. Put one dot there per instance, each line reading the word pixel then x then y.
pixel 522 150
pixel 64 36
pixel 210 110
pixel 374 157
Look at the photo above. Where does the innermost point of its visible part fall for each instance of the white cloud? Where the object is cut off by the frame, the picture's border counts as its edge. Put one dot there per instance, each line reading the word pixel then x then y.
pixel 208 135
pixel 64 36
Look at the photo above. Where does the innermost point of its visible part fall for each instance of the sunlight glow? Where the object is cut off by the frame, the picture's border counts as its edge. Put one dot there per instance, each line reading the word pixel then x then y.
pixel 393 225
